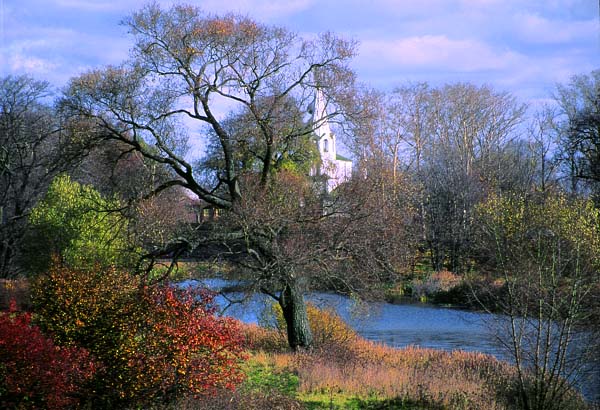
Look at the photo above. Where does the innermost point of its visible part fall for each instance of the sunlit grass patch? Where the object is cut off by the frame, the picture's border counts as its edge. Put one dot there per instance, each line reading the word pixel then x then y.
pixel 342 400
pixel 362 374
pixel 268 376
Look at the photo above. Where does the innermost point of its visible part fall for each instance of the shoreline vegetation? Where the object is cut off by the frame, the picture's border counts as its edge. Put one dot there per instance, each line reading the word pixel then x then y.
pixel 423 285
pixel 346 371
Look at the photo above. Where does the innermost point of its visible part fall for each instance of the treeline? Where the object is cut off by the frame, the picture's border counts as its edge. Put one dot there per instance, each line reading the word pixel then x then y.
pixel 461 144
pixel 455 145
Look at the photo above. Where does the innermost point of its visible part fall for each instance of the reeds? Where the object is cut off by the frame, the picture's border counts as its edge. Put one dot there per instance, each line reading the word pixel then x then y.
pixel 366 370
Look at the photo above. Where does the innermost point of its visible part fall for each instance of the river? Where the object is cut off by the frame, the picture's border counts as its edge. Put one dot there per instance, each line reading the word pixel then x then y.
pixel 400 325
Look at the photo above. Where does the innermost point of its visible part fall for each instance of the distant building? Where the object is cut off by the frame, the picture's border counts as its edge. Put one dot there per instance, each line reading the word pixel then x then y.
pixel 334 167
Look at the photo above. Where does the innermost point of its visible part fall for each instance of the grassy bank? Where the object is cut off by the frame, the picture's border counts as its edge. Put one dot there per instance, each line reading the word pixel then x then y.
pixel 363 374
pixel 359 374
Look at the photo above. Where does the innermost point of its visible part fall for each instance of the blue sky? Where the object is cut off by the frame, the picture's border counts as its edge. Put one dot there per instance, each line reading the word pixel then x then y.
pixel 521 46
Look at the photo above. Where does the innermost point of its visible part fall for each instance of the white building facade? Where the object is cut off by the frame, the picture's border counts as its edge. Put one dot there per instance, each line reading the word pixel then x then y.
pixel 334 167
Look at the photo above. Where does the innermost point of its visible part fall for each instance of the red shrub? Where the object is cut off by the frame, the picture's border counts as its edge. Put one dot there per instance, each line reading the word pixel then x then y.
pixel 180 346
pixel 34 372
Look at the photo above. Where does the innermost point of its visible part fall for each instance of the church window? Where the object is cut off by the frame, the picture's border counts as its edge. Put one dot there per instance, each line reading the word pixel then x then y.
pixel 325 145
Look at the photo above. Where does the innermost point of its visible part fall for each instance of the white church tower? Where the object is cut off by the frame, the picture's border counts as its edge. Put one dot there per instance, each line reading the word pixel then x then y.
pixel 336 168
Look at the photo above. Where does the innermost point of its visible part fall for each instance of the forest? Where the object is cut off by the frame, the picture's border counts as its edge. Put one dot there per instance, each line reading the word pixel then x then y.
pixel 459 195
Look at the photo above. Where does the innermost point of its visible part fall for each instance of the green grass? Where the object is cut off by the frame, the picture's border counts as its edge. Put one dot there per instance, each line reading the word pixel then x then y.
pixel 266 378
pixel 341 400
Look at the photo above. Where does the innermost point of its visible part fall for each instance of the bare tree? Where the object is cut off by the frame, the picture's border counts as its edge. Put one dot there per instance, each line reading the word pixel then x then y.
pixel 545 249
pixel 543 140
pixel 459 142
pixel 578 125
pixel 35 145
pixel 184 66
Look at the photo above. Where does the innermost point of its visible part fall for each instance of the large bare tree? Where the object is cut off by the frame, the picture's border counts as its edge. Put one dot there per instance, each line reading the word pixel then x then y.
pixel 188 68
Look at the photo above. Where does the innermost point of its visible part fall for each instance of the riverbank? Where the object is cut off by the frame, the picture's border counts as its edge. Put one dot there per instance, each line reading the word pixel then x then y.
pixel 360 374
pixel 444 288
pixel 346 371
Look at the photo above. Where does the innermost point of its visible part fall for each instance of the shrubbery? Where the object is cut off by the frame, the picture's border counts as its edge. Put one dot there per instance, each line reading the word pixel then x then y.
pixel 328 328
pixel 34 372
pixel 79 226
pixel 157 342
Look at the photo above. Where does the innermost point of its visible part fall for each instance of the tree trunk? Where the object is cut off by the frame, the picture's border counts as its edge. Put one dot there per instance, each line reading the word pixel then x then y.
pixel 296 320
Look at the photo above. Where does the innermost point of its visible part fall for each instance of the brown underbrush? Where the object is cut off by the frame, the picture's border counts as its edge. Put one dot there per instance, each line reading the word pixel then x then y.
pixel 430 378
pixel 344 367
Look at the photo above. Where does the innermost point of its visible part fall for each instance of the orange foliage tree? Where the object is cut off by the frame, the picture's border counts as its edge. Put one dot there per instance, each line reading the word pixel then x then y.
pixel 156 342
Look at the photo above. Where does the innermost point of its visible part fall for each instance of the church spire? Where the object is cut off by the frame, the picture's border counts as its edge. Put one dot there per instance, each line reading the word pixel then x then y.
pixel 336 169
pixel 322 130
pixel 319 115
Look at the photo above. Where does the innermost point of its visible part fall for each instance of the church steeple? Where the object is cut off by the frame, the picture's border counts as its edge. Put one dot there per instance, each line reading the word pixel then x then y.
pixel 336 169
pixel 324 136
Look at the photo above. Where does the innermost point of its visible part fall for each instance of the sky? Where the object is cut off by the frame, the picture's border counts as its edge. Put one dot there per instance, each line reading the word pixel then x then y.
pixel 524 47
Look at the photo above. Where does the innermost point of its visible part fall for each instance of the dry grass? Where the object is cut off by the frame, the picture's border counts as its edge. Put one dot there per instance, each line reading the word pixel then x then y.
pixel 367 370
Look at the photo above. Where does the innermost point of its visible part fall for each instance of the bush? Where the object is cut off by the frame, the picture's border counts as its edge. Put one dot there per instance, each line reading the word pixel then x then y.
pixel 156 342
pixel 34 372
pixel 180 347
pixel 263 338
pixel 437 282
pixel 76 224
pixel 328 328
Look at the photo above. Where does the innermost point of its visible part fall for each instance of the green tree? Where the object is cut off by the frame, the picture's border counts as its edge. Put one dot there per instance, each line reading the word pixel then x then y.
pixel 77 225
pixel 546 250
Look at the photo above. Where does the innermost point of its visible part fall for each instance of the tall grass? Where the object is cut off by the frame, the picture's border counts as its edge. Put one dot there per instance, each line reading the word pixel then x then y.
pixel 340 374
pixel 432 378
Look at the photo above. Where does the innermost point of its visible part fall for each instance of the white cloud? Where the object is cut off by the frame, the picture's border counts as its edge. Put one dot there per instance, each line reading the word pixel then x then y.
pixel 30 64
pixel 91 5
pixel 260 9
pixel 437 51
pixel 534 28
